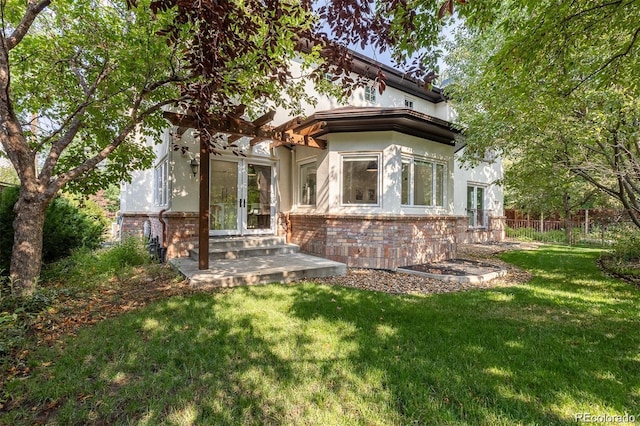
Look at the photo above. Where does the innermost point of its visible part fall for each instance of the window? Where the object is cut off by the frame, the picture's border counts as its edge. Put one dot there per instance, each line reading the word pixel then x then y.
pixel 423 183
pixel 370 94
pixel 408 103
pixel 308 184
pixel 360 180
pixel 475 207
pixel 160 183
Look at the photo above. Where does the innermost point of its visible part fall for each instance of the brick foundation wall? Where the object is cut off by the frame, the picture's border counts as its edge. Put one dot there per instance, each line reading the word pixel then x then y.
pixel 361 241
pixel 181 229
pixel 385 242
pixel 494 232
pixel 375 241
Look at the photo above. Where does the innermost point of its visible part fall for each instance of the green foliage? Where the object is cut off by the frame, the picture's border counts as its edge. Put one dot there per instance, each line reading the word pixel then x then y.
pixel 112 195
pixel 93 267
pixel 130 252
pixel 530 82
pixel 17 313
pixel 627 247
pixel 69 223
pixel 83 269
pixel 8 175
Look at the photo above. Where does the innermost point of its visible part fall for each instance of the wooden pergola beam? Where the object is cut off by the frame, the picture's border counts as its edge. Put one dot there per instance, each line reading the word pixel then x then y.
pixel 303 140
pixel 232 138
pixel 288 125
pixel 264 119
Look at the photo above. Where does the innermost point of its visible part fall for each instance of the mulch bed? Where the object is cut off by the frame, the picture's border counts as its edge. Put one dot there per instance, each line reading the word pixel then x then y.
pixel 455 267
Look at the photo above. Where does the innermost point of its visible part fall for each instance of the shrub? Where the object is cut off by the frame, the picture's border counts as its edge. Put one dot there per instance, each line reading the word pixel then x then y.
pixel 130 252
pixel 88 267
pixel 627 246
pixel 69 224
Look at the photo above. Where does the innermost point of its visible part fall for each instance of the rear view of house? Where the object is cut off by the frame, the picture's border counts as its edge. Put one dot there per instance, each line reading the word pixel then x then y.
pixel 374 183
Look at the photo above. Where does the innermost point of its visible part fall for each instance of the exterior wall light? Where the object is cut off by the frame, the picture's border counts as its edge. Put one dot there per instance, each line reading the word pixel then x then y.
pixel 194 166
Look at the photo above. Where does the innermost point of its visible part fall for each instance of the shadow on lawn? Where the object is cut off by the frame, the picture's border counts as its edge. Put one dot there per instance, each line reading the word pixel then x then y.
pixel 492 365
pixel 325 355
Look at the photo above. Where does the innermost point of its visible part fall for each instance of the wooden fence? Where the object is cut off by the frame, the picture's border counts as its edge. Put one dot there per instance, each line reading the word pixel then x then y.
pixel 600 228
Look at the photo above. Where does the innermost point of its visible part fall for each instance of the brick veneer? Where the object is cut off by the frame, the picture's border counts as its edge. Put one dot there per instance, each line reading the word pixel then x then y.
pixel 384 242
pixel 375 241
pixel 362 241
pixel 181 229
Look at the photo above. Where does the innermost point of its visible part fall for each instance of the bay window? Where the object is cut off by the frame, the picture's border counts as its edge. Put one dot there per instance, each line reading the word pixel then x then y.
pixel 423 183
pixel 360 180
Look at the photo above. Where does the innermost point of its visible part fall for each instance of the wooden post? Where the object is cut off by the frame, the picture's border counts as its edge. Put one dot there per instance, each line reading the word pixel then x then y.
pixel 203 209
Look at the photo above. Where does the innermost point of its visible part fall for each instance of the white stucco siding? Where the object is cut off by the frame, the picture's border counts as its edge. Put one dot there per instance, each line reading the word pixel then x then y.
pixel 183 185
pixel 485 175
pixel 390 97
pixel 389 147
pixel 284 181
pixel 137 195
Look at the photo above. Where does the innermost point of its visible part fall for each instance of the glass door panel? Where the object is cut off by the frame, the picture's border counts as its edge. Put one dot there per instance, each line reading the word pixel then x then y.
pixel 258 197
pixel 223 198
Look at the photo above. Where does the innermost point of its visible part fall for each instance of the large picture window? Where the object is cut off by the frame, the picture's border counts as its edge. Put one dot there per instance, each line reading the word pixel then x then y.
pixel 160 183
pixel 360 180
pixel 308 181
pixel 423 183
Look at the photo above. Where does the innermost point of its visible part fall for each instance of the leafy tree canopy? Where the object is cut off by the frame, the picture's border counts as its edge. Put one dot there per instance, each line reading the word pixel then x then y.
pixel 563 102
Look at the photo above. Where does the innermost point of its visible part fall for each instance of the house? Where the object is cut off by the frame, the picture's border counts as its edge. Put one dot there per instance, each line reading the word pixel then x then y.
pixel 376 185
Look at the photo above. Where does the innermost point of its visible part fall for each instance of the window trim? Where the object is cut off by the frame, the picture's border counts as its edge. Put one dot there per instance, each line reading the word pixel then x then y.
pixel 161 182
pixel 363 156
pixel 370 94
pixel 411 160
pixel 408 100
pixel 485 212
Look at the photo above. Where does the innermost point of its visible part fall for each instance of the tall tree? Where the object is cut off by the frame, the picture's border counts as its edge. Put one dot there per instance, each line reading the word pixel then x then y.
pixel 83 82
pixel 567 101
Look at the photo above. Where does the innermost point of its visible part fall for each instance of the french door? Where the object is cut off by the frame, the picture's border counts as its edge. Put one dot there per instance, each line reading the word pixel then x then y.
pixel 241 197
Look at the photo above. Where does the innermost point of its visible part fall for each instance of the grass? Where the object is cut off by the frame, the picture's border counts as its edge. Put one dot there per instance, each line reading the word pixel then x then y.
pixel 540 353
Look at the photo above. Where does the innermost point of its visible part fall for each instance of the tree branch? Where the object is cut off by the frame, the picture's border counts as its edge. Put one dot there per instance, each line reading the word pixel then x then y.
pixel 609 61
pixel 33 10
pixel 92 162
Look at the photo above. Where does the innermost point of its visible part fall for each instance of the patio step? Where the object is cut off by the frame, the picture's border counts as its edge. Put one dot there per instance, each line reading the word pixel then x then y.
pixel 242 247
pixel 246 242
pixel 257 270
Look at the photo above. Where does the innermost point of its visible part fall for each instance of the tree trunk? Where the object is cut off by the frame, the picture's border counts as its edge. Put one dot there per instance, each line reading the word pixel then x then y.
pixel 26 258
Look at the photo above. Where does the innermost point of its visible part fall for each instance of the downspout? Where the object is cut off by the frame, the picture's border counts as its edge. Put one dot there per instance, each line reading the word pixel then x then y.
pixel 163 249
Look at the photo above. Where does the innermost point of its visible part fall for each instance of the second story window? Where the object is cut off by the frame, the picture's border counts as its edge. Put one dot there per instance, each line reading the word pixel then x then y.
pixel 370 94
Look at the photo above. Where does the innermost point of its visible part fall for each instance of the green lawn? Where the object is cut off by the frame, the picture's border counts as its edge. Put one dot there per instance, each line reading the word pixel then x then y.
pixel 568 342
